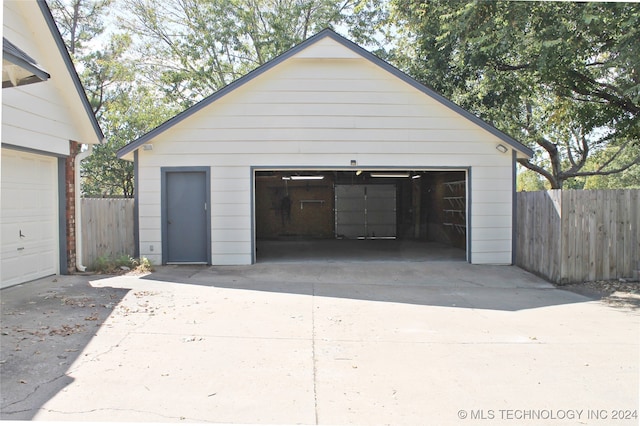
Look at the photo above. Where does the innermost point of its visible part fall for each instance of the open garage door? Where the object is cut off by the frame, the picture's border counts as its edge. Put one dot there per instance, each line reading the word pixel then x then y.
pixel 333 215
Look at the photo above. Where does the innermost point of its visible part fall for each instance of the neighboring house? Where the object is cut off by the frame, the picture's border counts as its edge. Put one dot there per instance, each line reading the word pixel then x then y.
pixel 46 118
pixel 325 141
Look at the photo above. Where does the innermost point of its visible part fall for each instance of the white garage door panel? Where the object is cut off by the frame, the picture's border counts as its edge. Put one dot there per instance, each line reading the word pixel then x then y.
pixel 29 221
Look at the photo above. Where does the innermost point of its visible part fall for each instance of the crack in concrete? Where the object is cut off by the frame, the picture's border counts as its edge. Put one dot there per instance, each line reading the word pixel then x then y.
pixel 29 395
pixel 130 410
pixel 117 344
pixel 96 356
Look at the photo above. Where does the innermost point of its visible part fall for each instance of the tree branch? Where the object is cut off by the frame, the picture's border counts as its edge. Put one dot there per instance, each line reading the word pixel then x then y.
pixel 615 98
pixel 609 172
pixel 501 66
pixel 614 156
pixel 555 183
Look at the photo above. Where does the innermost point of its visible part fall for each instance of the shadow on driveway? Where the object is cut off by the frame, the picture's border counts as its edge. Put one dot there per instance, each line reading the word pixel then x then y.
pixel 46 324
pixel 166 331
pixel 445 284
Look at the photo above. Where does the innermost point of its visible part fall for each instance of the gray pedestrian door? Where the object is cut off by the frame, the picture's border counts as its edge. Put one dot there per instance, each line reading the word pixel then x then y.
pixel 185 217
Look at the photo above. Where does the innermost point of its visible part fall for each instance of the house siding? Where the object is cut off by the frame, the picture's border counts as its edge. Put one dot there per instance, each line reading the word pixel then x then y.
pixel 46 121
pixel 39 116
pixel 311 112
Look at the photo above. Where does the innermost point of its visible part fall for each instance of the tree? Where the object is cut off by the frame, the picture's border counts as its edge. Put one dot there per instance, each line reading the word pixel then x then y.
pixel 108 80
pixel 629 178
pixel 562 77
pixel 135 113
pixel 99 58
pixel 528 180
pixel 189 49
pixel 79 21
pixel 184 50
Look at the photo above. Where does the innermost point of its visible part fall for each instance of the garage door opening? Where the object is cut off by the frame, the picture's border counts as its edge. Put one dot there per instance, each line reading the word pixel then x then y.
pixel 360 215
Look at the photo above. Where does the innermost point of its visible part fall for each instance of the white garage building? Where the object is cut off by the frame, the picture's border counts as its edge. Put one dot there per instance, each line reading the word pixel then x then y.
pixel 325 142
pixel 45 118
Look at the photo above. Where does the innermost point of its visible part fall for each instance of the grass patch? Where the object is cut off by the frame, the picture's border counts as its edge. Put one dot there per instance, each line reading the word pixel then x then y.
pixel 121 264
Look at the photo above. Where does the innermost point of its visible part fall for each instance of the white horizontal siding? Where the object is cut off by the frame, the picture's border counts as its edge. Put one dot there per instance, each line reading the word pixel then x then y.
pixel 43 116
pixel 154 258
pixel 494 172
pixel 310 122
pixel 25 128
pixel 17 112
pixel 232 259
pixel 324 139
pixel 490 209
pixel 151 223
pixel 304 109
pixel 483 193
pixel 232 222
pixel 230 185
pixel 149 235
pixel 326 48
pixel 491 221
pixel 224 210
pixel 232 235
pixel 495 232
pixel 492 257
pixel 27 138
pixel 225 248
pixel 490 246
pixel 321 160
pixel 323 114
pixel 230 197
pixel 500 185
pixel 149 213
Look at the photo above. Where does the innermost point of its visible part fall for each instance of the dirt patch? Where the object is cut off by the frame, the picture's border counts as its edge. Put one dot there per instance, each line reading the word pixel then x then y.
pixel 616 293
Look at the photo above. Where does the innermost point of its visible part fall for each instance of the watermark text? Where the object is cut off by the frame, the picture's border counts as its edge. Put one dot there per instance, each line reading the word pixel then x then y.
pixel 548 414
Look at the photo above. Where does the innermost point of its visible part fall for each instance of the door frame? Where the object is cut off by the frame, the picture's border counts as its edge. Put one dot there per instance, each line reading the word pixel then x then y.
pixel 164 171
pixel 373 168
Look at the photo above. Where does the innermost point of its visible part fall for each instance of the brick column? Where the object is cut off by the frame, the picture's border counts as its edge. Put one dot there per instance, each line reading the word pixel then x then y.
pixel 70 193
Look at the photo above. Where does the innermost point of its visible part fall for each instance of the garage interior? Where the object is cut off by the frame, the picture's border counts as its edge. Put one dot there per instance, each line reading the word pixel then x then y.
pixel 359 215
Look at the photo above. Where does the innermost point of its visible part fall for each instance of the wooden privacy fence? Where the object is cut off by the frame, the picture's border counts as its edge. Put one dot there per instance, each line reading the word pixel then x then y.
pixel 578 235
pixel 107 228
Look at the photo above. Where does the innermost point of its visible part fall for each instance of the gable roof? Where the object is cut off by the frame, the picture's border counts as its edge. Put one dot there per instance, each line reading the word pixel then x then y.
pixel 18 68
pixel 64 54
pixel 132 146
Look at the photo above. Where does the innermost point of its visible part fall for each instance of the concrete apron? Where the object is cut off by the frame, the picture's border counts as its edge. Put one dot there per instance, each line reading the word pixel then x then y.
pixel 340 343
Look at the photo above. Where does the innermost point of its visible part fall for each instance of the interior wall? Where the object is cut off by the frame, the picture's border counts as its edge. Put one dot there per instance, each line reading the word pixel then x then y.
pixel 429 208
pixel 294 209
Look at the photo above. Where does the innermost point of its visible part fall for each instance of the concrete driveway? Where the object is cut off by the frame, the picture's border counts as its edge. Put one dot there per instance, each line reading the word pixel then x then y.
pixel 370 343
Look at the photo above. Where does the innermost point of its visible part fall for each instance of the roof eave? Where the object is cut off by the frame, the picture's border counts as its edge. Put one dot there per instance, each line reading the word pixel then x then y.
pixel 432 93
pixel 55 33
pixel 134 145
pixel 20 68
